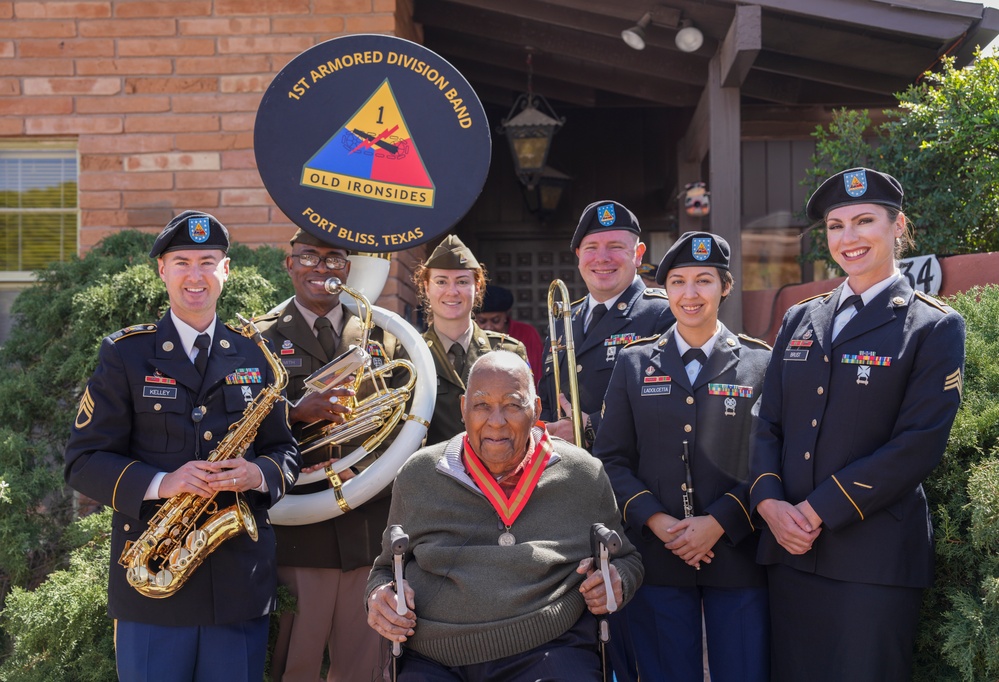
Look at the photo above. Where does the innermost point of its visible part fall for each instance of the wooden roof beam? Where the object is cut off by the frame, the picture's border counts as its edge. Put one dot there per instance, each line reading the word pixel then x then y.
pixel 514 82
pixel 741 45
pixel 657 90
pixel 820 72
pixel 839 46
pixel 552 39
pixel 894 17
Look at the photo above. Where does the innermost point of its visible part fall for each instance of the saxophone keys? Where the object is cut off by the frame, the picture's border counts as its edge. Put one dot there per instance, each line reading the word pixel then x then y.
pixel 137 575
pixel 179 557
pixel 162 579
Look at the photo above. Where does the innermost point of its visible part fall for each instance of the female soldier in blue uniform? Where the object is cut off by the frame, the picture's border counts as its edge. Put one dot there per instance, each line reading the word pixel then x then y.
pixel 857 406
pixel 674 441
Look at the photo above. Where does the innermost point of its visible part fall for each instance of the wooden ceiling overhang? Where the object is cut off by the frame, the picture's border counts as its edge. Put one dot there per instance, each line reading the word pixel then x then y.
pixel 805 53
pixel 789 58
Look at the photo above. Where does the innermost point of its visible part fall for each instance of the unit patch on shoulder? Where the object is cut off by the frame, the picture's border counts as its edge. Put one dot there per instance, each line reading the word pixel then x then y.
pixel 86 411
pixel 130 331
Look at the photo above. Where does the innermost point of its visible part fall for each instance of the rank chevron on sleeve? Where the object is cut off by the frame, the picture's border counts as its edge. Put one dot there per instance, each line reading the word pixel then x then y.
pixel 954 381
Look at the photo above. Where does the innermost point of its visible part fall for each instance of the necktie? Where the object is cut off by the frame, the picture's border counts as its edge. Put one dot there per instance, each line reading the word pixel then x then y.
pixel 688 360
pixel 202 343
pixel 855 300
pixel 844 313
pixel 458 353
pixel 598 312
pixel 324 330
pixel 694 354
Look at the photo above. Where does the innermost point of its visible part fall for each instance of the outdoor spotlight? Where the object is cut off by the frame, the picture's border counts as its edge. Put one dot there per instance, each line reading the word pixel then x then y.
pixel 689 38
pixel 635 36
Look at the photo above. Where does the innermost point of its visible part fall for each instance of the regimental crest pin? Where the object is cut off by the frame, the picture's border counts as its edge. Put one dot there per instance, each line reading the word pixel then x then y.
pixel 199 229
pixel 700 248
pixel 864 374
pixel 650 370
pixel 855 183
pixel 606 215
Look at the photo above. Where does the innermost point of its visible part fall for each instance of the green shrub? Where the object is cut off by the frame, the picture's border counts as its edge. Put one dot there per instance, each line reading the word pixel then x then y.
pixel 959 630
pixel 60 631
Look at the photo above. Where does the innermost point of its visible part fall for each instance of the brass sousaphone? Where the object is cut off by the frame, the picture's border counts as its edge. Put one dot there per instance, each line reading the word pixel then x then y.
pixel 374 144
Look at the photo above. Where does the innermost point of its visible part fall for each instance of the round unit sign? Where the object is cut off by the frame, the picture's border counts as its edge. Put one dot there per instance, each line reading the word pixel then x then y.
pixel 372 143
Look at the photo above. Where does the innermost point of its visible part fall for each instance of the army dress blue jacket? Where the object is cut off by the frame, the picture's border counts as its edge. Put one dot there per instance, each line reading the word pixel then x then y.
pixel 650 409
pixel 639 312
pixel 136 419
pixel 854 426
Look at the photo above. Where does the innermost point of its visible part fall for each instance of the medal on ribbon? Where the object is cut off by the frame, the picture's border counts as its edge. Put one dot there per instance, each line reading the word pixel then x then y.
pixel 509 508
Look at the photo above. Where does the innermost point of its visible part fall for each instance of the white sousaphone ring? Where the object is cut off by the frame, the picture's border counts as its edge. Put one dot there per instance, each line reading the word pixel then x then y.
pixel 297 510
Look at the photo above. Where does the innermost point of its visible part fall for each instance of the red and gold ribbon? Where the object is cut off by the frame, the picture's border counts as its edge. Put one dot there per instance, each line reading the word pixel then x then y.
pixel 509 508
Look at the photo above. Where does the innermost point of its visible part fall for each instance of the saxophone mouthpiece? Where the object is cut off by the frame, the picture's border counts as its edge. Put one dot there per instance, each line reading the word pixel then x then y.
pixel 249 329
pixel 333 285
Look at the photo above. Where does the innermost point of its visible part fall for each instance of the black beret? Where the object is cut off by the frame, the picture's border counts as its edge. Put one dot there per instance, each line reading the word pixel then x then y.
pixel 601 216
pixel 854 186
pixel 497 299
pixel 452 254
pixel 303 237
pixel 694 248
pixel 191 230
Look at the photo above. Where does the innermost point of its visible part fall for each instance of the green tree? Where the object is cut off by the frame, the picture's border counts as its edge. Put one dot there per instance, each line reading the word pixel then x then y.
pixel 942 143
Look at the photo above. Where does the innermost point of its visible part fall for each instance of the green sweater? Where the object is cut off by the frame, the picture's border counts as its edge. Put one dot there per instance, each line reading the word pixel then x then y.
pixel 475 600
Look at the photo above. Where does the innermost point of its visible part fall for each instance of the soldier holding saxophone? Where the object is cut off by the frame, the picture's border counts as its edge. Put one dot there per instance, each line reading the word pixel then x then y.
pixel 162 398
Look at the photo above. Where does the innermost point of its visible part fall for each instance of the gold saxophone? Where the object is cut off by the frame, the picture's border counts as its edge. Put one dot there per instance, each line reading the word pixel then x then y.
pixel 173 546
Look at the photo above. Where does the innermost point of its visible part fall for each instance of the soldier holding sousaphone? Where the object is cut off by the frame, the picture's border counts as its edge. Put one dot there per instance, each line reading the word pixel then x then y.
pixel 325 564
pixel 373 157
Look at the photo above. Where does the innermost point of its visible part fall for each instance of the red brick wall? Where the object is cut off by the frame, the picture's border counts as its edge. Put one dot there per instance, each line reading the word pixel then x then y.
pixel 161 97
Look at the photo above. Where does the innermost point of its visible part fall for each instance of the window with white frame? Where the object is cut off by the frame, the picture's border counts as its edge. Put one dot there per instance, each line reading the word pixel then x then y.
pixel 38 206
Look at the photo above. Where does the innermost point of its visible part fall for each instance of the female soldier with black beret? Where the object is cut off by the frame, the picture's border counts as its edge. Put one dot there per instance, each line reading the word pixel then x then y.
pixel 675 443
pixel 857 406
